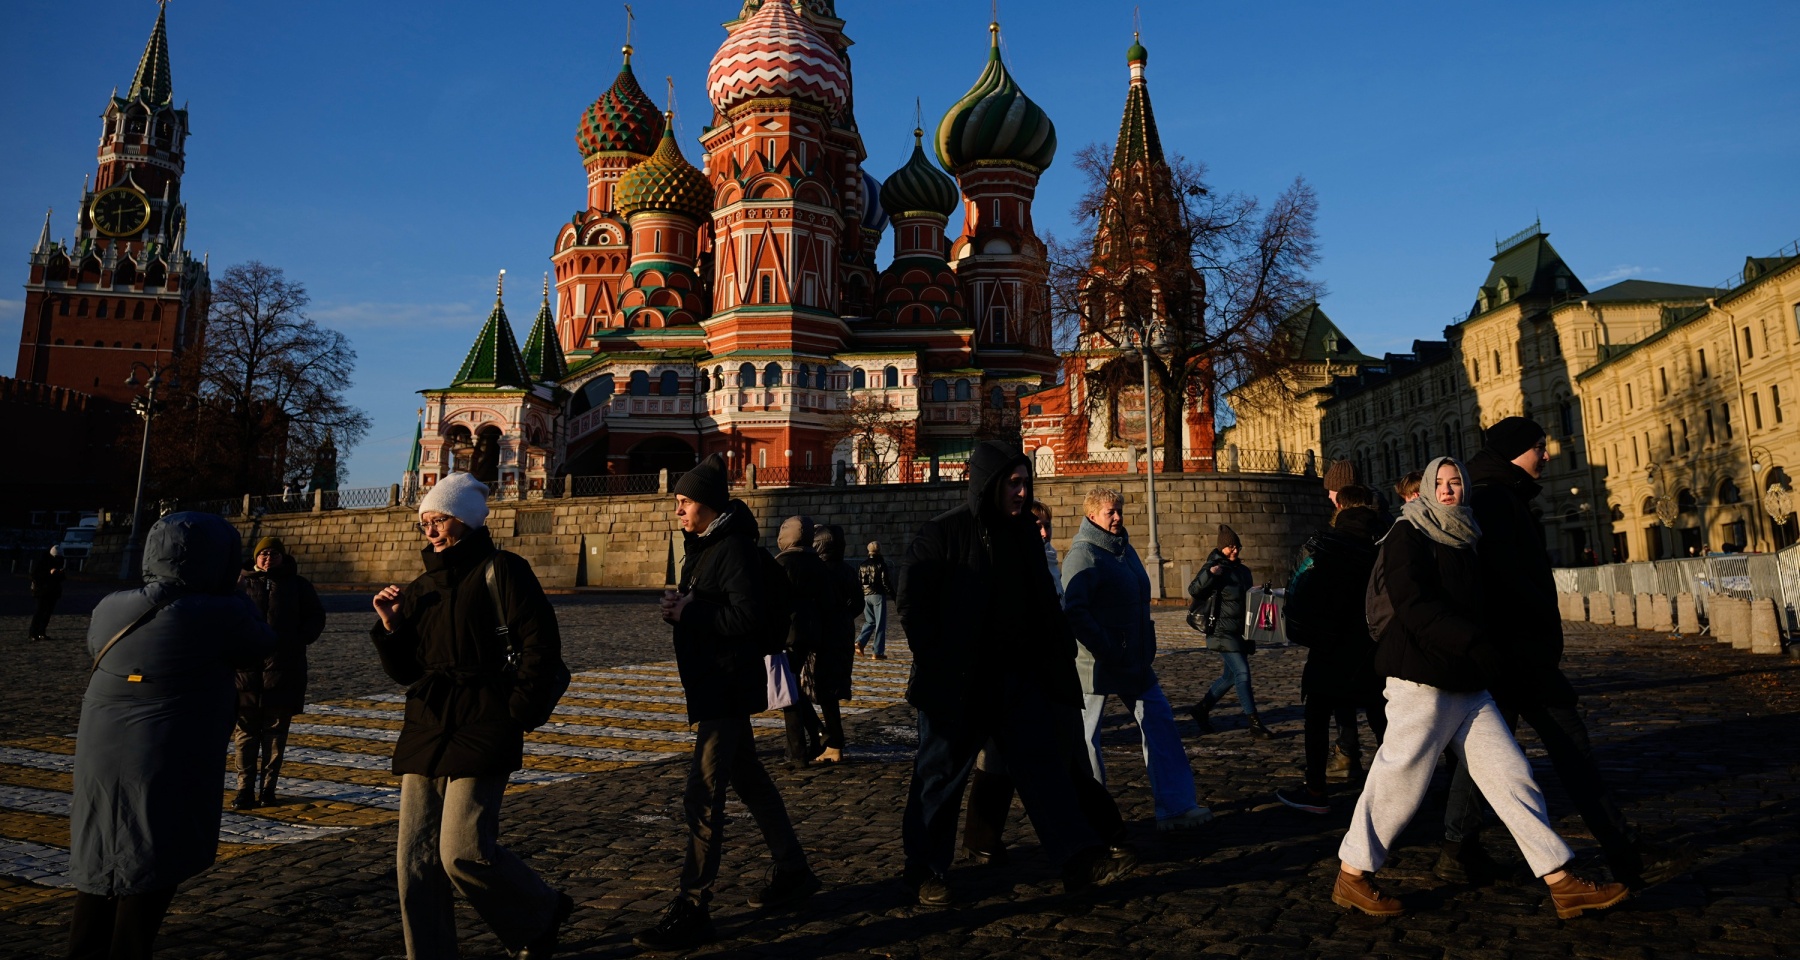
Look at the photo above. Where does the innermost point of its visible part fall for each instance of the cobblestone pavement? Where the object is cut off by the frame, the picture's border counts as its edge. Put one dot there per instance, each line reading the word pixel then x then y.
pixel 1702 744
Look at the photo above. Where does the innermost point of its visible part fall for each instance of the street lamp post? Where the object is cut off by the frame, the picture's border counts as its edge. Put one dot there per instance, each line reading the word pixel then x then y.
pixel 1153 559
pixel 1759 458
pixel 144 406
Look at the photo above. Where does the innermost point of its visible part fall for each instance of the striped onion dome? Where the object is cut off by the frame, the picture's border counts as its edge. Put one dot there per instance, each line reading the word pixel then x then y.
pixel 995 121
pixel 920 185
pixel 665 183
pixel 622 120
pixel 874 215
pixel 818 8
pixel 777 53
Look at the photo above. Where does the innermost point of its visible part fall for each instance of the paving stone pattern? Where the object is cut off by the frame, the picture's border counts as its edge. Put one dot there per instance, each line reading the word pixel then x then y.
pixel 1701 743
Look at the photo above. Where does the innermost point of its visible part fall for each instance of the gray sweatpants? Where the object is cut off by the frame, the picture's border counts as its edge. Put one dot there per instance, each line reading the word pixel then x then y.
pixel 1422 721
pixel 449 840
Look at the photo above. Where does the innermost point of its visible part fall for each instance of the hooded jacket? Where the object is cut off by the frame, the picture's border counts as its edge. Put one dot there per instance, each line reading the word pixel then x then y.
pixel 1516 576
pixel 1233 584
pixel 1106 594
pixel 716 648
pixel 466 713
pixel 977 602
pixel 1325 608
pixel 834 661
pixel 290 604
pixel 146 805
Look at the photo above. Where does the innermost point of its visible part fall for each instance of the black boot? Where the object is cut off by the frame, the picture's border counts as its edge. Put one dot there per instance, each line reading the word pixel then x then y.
pixel 687 924
pixel 245 799
pixel 1200 711
pixel 1257 729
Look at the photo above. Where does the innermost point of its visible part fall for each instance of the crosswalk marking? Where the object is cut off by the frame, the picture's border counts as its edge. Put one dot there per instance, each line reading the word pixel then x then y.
pixel 338 771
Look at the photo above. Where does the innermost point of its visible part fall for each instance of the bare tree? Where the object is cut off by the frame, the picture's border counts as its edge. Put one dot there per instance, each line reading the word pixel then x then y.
pixel 876 430
pixel 1204 278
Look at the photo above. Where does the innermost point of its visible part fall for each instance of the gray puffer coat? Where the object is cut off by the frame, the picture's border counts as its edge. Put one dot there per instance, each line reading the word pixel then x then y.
pixel 150 751
pixel 1106 594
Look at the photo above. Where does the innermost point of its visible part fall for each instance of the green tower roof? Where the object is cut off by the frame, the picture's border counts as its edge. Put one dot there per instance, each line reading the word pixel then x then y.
pixel 543 352
pixel 995 122
pixel 151 84
pixel 494 360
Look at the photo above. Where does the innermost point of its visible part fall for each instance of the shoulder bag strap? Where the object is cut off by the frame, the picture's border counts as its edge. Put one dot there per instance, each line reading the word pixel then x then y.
pixel 142 619
pixel 502 630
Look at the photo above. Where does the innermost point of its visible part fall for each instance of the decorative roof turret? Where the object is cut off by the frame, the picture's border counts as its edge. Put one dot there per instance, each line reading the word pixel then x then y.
pixel 777 53
pixel 919 186
pixel 666 182
pixel 995 122
pixel 152 83
pixel 622 120
pixel 543 354
pixel 1138 139
pixel 494 359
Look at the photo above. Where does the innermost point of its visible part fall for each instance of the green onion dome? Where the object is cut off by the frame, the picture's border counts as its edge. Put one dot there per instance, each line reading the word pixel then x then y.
pixel 919 186
pixel 665 183
pixel 622 120
pixel 1137 53
pixel 995 121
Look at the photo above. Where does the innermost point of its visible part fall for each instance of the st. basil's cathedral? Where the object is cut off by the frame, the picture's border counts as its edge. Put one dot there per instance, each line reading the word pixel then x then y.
pixel 738 308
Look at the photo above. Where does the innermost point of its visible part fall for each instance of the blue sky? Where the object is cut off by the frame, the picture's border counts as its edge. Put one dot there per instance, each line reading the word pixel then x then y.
pixel 393 156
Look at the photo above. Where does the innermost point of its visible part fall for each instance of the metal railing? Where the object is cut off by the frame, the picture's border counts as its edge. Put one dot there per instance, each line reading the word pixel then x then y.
pixel 1233 459
pixel 1742 576
pixel 356 498
pixel 616 484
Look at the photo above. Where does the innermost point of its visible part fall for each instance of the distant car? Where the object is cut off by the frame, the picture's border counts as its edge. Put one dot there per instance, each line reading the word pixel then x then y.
pixel 78 542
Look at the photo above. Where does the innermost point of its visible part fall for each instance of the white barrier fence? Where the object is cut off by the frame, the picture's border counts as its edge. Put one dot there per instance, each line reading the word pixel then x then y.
pixel 1748 600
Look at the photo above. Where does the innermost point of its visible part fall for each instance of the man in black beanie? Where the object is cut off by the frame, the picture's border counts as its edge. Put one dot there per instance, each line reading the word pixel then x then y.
pixel 1521 591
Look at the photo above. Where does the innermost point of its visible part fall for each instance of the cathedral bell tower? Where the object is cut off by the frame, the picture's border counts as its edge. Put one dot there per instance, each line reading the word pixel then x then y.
pixel 125 289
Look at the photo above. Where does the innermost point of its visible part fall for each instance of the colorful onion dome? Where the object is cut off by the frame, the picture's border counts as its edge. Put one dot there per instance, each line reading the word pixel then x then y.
pixel 920 185
pixel 665 183
pixel 777 53
pixel 818 8
pixel 874 215
pixel 622 120
pixel 995 121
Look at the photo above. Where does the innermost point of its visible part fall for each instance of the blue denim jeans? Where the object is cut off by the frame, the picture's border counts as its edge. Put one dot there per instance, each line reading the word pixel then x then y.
pixel 874 628
pixel 1237 674
pixel 1165 759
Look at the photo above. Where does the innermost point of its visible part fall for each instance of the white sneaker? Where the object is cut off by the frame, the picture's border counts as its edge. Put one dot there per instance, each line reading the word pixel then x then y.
pixel 1187 821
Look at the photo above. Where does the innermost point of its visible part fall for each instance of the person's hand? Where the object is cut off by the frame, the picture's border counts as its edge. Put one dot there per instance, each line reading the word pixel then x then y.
pixel 673 606
pixel 387 607
pixel 1216 570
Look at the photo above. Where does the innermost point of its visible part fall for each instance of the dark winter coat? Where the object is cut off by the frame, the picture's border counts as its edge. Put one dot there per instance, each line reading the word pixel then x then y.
pixel 814 607
pixel 835 661
pixel 1437 636
pixel 873 573
pixel 290 604
pixel 149 755
pixel 717 650
pixel 466 712
pixel 1516 572
pixel 978 605
pixel 1232 584
pixel 47 575
pixel 1106 594
pixel 1325 611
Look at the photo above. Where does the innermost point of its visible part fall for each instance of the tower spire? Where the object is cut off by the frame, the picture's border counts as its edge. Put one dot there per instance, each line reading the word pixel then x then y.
pixel 43 244
pixel 152 84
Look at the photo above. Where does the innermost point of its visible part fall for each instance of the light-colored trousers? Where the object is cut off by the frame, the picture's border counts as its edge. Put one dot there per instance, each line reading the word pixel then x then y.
pixel 1422 721
pixel 449 830
pixel 1165 759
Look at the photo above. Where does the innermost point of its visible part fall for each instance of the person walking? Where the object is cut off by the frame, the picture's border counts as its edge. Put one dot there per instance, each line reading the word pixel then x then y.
pixel 809 587
pixel 1325 614
pixel 475 641
pixel 721 632
pixel 1438 650
pixel 993 657
pixel 145 808
pixel 48 571
pixel 1221 589
pixel 269 696
pixel 876 588
pixel 828 680
pixel 1516 570
pixel 1106 594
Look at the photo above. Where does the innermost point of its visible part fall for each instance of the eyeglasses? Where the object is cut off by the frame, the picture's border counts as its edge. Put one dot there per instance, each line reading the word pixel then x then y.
pixel 426 526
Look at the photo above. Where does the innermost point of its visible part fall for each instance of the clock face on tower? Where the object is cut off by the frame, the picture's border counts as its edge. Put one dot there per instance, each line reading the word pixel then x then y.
pixel 120 211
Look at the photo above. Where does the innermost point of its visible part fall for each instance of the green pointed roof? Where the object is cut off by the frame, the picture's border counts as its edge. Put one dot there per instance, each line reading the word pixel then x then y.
pixel 543 352
pixel 919 186
pixel 1138 139
pixel 1527 266
pixel 152 84
pixel 418 447
pixel 996 122
pixel 494 360
pixel 1319 340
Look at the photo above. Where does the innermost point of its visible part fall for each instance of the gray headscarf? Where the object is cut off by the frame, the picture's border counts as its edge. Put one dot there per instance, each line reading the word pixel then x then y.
pixel 1450 526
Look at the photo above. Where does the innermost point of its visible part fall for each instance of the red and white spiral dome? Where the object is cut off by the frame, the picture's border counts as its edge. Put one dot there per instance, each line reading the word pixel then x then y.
pixel 777 53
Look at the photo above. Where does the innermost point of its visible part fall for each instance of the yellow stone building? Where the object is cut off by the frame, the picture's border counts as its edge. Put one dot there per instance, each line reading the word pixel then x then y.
pixel 1277 421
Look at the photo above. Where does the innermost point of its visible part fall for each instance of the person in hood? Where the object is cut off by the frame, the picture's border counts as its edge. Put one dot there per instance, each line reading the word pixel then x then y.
pixel 993 657
pixel 1106 594
pixel 269 697
pixel 478 675
pixel 827 681
pixel 718 617
pixel 1325 615
pixel 1439 651
pixel 145 810
pixel 1222 587
pixel 810 588
pixel 877 586
pixel 48 571
pixel 1521 592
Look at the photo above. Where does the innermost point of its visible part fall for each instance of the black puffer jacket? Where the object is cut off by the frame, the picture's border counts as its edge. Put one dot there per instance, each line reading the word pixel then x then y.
pixel 1515 570
pixel 288 603
pixel 717 650
pixel 1233 584
pixel 1325 609
pixel 465 712
pixel 977 603
pixel 1436 637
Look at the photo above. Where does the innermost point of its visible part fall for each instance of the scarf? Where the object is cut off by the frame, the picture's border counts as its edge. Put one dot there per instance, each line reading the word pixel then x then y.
pixel 1450 526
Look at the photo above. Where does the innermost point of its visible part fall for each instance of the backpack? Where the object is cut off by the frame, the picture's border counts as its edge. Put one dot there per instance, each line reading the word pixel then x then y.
pixel 1378 608
pixel 777 607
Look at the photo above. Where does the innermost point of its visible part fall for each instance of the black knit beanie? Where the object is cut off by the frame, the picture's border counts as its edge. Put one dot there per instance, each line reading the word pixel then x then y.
pixel 1228 538
pixel 1512 436
pixel 706 484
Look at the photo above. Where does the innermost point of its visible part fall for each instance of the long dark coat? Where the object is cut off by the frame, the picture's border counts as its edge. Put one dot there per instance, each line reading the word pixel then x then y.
pixel 835 660
pixel 149 753
pixel 1517 580
pixel 1232 584
pixel 466 714
pixel 717 649
pixel 290 604
pixel 1325 610
pixel 47 575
